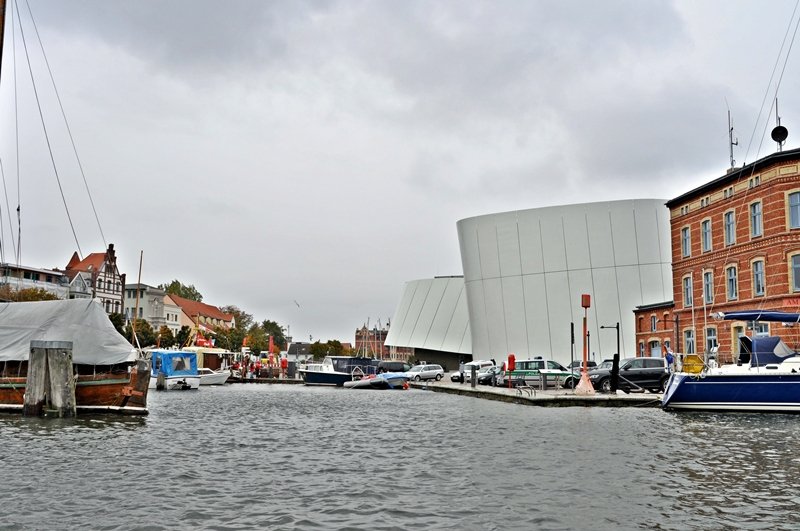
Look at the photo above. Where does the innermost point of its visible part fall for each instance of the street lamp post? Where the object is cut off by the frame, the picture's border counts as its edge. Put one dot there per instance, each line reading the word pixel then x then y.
pixel 616 326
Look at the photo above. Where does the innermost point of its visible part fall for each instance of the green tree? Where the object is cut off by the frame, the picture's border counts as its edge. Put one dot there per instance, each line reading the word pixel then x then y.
pixel 118 320
pixel 145 333
pixel 187 291
pixel 242 319
pixel 276 331
pixel 335 348
pixel 183 336
pixel 257 339
pixel 166 338
pixel 331 348
pixel 235 336
pixel 25 295
pixel 318 350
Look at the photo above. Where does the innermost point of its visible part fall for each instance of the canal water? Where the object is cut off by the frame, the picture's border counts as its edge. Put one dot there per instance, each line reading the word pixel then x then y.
pixel 249 456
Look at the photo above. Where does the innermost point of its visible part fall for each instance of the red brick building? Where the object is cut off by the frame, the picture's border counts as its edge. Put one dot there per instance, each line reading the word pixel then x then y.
pixel 735 246
pixel 655 329
pixel 371 342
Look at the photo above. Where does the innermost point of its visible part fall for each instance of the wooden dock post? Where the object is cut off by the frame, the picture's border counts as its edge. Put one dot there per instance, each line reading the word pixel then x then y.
pixel 36 384
pixel 62 383
pixel 50 372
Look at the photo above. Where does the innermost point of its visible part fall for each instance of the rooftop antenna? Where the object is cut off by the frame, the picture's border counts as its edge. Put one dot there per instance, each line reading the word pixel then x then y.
pixel 780 133
pixel 731 141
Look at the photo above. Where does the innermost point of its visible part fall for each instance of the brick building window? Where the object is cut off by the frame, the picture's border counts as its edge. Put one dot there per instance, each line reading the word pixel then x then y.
pixel 758 278
pixel 688 341
pixel 711 338
pixel 653 323
pixel 686 242
pixel 730 228
pixel 795 273
pixel 794 210
pixel 732 282
pixel 687 291
pixel 761 329
pixel 705 235
pixel 708 287
pixel 756 225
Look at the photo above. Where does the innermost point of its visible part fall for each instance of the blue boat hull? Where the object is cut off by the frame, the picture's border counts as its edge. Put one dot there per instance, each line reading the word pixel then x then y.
pixel 325 378
pixel 734 392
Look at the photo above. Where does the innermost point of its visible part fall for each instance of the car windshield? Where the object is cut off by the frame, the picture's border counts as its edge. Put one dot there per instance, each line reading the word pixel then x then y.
pixel 605 365
pixel 418 368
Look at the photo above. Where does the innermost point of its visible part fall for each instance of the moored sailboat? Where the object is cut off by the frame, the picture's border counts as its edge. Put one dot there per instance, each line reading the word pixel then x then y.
pixel 765 377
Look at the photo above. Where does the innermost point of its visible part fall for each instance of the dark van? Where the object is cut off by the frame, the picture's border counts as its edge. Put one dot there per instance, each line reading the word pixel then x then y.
pixel 393 366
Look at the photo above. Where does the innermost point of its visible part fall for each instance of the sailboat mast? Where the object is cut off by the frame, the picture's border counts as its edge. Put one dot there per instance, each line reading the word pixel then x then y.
pixel 2 30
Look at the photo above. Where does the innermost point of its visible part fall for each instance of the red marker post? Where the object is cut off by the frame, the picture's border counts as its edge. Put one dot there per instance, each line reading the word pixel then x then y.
pixel 585 386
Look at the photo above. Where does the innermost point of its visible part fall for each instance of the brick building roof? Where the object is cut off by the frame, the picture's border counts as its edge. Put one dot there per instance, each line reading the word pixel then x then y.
pixel 194 308
pixel 92 262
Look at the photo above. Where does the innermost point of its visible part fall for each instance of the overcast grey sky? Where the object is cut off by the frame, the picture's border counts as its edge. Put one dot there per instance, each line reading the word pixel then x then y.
pixel 323 151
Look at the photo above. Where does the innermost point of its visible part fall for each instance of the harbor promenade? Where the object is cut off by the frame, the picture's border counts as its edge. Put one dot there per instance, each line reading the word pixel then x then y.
pixel 550 397
pixel 531 396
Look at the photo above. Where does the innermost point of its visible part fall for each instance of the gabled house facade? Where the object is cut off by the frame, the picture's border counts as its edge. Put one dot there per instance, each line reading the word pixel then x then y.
pixel 202 318
pixel 100 272
pixel 152 305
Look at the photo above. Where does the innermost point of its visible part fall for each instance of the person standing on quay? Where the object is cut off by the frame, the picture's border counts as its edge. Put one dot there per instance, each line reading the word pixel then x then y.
pixel 670 360
pixel 461 370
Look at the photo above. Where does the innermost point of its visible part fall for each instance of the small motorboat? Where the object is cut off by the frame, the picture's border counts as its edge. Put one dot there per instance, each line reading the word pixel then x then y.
pixel 386 380
pixel 174 370
pixel 210 377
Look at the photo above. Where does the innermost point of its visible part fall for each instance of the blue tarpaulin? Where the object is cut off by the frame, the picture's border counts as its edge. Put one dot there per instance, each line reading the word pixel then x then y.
pixel 174 363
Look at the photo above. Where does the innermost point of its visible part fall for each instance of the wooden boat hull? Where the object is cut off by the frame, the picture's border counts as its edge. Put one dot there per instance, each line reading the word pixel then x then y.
pixel 108 392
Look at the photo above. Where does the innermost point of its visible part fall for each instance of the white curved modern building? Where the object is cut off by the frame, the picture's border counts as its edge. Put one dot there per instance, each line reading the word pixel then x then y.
pixel 432 318
pixel 525 271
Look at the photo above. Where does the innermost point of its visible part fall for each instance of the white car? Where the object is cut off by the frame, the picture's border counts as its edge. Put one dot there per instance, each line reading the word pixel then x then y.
pixel 425 372
pixel 481 366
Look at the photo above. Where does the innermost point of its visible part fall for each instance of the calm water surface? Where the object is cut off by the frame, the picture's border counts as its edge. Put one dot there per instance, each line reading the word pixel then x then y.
pixel 294 457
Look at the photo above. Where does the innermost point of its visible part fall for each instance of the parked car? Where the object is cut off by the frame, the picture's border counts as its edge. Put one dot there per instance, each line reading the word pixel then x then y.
pixel 486 377
pixel 531 372
pixel 481 365
pixel 425 372
pixel 605 364
pixel 393 366
pixel 634 373
pixel 576 365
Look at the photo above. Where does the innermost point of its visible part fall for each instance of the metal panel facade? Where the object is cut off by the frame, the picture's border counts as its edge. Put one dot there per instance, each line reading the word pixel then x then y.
pixel 432 314
pixel 525 272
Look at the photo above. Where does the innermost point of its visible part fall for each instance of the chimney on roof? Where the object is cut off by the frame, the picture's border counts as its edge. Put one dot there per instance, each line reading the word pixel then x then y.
pixel 110 252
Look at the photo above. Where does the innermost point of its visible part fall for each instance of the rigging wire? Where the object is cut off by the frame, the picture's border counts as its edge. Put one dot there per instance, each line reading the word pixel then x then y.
pixel 18 243
pixel 47 137
pixel 66 123
pixel 769 84
pixel 2 169
pixel 743 213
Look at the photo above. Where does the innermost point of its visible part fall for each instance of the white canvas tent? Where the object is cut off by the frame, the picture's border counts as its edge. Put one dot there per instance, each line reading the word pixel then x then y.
pixel 95 341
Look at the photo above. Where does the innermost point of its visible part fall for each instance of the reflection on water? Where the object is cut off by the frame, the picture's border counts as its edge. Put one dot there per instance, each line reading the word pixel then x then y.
pixel 292 457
